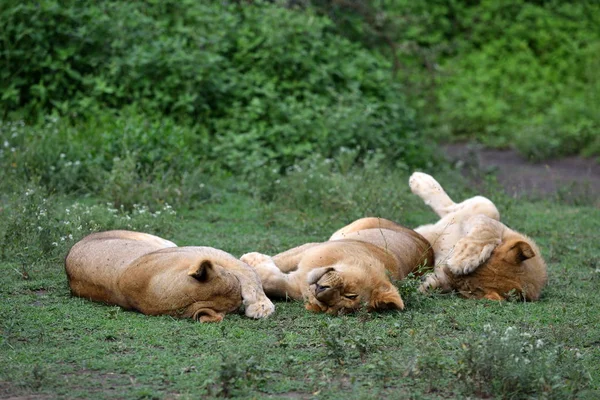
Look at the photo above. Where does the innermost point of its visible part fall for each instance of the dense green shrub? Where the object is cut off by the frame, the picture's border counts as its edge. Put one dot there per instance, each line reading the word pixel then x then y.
pixel 258 83
pixel 37 227
pixel 516 72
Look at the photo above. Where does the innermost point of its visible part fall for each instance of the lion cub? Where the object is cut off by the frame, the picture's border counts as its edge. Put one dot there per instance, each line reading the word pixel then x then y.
pixel 351 269
pixel 475 253
pixel 142 272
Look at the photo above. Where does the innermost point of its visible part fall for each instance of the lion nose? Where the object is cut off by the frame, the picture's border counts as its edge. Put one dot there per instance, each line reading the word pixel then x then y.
pixel 319 288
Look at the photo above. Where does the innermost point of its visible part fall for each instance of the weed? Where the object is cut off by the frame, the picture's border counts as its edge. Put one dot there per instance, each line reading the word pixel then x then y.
pixel 514 364
pixel 236 375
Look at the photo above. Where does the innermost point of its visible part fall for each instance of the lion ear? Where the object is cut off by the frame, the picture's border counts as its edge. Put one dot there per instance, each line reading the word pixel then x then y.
pixel 519 252
pixel 201 271
pixel 208 315
pixel 386 298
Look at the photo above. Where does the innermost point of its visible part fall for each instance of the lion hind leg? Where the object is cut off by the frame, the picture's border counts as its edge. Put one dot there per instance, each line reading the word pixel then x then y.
pixel 432 193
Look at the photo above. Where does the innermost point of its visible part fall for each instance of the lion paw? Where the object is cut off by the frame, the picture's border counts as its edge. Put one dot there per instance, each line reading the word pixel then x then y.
pixel 424 185
pixel 260 309
pixel 262 264
pixel 253 259
pixel 467 256
pixel 429 282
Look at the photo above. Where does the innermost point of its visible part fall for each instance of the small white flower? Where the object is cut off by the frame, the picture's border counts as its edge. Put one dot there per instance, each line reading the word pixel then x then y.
pixel 54 244
pixel 62 155
pixel 70 236
pixel 539 343
pixel 39 228
pixel 6 144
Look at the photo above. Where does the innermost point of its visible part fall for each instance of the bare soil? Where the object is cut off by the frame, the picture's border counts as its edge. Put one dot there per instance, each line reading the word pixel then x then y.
pixel 573 179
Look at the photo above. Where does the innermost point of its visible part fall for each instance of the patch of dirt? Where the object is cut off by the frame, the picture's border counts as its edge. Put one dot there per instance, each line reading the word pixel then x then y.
pixel 574 179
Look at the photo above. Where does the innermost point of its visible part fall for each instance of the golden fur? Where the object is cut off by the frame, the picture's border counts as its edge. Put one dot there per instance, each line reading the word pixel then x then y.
pixel 351 269
pixel 143 272
pixel 475 253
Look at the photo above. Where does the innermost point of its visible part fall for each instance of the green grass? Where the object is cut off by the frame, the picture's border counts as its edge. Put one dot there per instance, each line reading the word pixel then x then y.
pixel 442 346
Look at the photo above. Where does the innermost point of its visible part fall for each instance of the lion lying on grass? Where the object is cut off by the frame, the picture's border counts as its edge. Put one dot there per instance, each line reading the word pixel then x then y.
pixel 475 253
pixel 351 269
pixel 142 272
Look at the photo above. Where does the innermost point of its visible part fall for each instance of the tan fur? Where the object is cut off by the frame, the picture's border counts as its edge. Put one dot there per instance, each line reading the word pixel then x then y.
pixel 353 268
pixel 143 272
pixel 475 253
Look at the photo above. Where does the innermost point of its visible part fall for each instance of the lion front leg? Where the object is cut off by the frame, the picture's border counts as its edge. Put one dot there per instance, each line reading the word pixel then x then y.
pixel 483 235
pixel 438 279
pixel 275 282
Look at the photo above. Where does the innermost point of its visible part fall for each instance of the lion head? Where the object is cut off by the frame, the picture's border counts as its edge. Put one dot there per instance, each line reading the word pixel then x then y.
pixel 336 290
pixel 215 292
pixel 515 268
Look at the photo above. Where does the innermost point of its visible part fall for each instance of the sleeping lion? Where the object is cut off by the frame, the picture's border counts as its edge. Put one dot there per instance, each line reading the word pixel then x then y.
pixel 142 272
pixel 350 270
pixel 475 253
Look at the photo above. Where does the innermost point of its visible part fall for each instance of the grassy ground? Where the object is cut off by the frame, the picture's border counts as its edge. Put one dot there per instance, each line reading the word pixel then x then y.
pixel 54 345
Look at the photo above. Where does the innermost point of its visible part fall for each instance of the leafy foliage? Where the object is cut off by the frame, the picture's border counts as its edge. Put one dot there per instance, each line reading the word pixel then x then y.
pixel 517 72
pixel 258 83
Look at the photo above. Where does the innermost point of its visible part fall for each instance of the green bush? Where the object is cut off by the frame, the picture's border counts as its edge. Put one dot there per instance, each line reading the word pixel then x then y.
pixel 258 83
pixel 38 228
pixel 127 160
pixel 518 365
pixel 518 73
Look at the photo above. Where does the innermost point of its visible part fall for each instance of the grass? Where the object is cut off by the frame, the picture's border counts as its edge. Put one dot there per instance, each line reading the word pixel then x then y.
pixel 53 345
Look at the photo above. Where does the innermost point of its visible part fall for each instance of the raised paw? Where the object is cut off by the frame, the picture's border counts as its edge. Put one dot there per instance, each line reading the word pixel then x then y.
pixel 260 308
pixel 469 255
pixel 424 185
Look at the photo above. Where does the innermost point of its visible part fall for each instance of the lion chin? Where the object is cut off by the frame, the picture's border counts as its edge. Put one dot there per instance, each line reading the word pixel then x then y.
pixel 354 269
pixel 476 255
pixel 142 272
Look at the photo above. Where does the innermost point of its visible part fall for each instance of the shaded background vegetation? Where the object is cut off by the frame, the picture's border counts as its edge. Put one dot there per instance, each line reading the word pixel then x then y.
pixel 154 91
pixel 517 73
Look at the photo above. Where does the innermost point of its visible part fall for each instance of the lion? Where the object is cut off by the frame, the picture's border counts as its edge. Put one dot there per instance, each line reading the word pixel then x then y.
pixel 352 269
pixel 477 255
pixel 146 273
